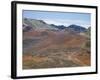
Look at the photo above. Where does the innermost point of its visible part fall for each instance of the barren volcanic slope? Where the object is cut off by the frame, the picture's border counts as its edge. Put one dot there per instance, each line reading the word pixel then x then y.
pixel 50 47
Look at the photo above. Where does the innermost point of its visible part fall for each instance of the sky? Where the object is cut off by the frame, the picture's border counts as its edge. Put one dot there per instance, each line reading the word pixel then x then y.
pixel 60 18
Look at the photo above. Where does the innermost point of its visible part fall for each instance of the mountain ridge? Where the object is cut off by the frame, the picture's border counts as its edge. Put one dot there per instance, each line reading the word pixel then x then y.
pixel 40 24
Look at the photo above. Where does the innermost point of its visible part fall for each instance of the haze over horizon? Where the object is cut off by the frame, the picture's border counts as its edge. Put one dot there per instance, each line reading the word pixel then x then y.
pixel 60 18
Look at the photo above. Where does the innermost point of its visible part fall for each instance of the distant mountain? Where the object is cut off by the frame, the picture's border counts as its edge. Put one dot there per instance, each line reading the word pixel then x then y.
pixel 71 28
pixel 37 24
pixel 61 27
pixel 76 28
pixel 33 24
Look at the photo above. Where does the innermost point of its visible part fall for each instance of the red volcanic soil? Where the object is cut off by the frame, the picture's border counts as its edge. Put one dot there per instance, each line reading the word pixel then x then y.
pixel 55 49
